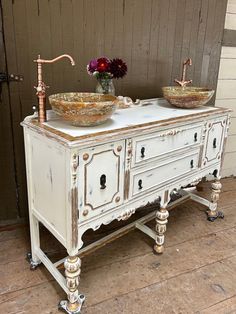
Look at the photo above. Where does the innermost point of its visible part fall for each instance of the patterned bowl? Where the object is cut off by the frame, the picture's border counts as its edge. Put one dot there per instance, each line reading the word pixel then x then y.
pixel 83 109
pixel 188 96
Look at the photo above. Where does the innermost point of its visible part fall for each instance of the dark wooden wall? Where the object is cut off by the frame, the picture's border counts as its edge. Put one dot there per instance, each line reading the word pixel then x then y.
pixel 152 36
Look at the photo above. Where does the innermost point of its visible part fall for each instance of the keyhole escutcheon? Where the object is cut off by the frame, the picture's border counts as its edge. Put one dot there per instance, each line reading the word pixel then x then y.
pixel 214 143
pixel 191 163
pixel 140 184
pixel 142 152
pixel 103 181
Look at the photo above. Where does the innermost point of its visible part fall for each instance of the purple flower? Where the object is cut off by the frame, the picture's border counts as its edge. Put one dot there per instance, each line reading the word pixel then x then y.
pixel 92 66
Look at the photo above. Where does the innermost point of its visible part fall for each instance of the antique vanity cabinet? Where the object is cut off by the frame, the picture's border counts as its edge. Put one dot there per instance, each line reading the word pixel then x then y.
pixel 82 177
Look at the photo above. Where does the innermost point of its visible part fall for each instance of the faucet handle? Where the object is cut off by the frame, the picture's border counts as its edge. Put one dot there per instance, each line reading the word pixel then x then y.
pixel 41 88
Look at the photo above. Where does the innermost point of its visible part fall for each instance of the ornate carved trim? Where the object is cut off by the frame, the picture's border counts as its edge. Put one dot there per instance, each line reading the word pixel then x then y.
pixel 74 201
pixel 126 214
pixel 170 132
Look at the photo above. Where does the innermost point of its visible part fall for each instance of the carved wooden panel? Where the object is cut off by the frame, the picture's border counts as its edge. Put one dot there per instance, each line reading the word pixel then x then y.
pixel 102 172
pixel 214 140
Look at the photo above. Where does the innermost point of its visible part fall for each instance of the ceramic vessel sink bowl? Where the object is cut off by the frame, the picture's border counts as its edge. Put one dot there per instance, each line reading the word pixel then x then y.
pixel 188 96
pixel 83 109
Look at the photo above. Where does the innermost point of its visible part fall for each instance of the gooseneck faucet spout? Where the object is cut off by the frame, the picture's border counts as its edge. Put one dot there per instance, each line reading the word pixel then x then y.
pixel 39 60
pixel 41 88
pixel 183 82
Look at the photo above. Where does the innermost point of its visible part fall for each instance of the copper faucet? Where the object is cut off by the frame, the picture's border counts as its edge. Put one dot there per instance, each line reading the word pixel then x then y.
pixel 41 88
pixel 183 81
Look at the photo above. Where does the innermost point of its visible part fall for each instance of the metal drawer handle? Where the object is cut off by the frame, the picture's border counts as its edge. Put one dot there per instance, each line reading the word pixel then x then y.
pixel 103 181
pixel 142 152
pixel 191 163
pixel 195 137
pixel 140 184
pixel 214 143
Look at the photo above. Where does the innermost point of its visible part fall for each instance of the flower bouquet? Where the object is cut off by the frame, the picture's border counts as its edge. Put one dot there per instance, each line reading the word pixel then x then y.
pixel 105 70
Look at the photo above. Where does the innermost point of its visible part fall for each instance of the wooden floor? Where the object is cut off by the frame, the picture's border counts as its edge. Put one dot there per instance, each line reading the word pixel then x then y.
pixel 196 273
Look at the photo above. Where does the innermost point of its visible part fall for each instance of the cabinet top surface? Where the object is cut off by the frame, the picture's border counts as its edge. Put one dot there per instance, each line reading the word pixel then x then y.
pixel 152 112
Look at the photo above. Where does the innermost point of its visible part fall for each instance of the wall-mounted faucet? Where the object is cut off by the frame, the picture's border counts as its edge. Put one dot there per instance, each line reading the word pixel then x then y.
pixel 41 88
pixel 183 81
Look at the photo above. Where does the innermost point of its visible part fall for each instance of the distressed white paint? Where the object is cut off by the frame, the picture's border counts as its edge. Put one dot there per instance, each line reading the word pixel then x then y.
pixel 158 110
pixel 103 160
pixel 64 175
pixel 215 140
pixel 161 143
pixel 155 174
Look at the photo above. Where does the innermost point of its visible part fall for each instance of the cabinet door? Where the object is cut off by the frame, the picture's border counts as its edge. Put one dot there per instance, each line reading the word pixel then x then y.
pixel 214 140
pixel 101 178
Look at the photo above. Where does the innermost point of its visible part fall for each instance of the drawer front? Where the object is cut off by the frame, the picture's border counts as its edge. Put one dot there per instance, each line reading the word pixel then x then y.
pixel 101 178
pixel 164 142
pixel 147 179
pixel 214 140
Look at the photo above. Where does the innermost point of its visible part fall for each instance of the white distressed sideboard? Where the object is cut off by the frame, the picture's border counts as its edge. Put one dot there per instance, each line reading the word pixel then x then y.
pixel 82 177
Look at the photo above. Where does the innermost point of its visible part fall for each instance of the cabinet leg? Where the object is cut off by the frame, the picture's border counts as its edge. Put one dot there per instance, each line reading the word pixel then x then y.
pixel 161 221
pixel 213 213
pixel 35 243
pixel 75 300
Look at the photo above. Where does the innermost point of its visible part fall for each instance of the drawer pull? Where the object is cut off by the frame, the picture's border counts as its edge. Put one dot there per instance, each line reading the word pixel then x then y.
pixel 140 184
pixel 142 152
pixel 191 163
pixel 195 137
pixel 214 143
pixel 103 181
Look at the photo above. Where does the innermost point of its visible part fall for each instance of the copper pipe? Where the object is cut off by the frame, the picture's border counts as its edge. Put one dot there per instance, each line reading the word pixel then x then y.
pixel 41 88
pixel 183 82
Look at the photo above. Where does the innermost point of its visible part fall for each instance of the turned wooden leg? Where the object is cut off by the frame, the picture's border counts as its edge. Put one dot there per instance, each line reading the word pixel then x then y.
pixel 213 213
pixel 161 221
pixel 75 300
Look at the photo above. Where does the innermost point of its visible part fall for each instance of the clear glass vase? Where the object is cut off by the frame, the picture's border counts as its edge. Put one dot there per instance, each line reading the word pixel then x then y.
pixel 105 86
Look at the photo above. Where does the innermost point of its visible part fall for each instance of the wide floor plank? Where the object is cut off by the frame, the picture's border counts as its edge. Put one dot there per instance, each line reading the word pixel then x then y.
pixel 196 273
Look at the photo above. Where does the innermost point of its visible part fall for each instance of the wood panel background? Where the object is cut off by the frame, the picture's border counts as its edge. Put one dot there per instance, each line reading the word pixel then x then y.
pixel 152 36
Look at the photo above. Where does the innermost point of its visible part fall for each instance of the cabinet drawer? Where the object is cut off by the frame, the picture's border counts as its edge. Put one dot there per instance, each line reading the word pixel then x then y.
pixel 101 173
pixel 214 140
pixel 164 142
pixel 149 178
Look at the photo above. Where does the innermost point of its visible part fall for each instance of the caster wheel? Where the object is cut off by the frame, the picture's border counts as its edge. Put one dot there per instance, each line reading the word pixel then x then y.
pixel 33 265
pixel 219 215
pixel 28 257
pixel 211 218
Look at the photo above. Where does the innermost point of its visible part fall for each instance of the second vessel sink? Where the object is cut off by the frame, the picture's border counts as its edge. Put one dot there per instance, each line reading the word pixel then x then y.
pixel 187 96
